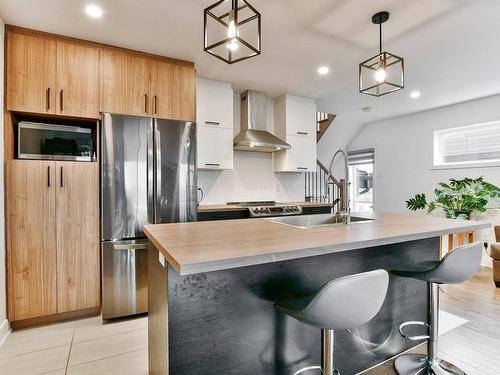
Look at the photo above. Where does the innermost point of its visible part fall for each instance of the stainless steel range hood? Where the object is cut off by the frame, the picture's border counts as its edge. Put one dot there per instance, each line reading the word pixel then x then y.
pixel 255 135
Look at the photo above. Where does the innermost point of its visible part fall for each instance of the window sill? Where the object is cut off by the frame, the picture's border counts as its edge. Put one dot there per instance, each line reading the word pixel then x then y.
pixel 467 166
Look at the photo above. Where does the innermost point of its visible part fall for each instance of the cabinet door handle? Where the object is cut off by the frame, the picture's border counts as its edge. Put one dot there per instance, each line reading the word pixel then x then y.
pixel 47 98
pixel 61 100
pixel 302 133
pixel 212 164
pixel 302 168
pixel 48 176
pixel 156 104
pixel 215 123
pixel 146 103
pixel 62 178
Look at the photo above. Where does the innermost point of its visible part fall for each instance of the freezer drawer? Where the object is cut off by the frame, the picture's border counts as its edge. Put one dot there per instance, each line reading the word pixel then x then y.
pixel 124 278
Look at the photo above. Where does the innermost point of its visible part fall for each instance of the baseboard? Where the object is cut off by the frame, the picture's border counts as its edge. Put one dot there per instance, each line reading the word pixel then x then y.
pixel 4 331
pixel 56 318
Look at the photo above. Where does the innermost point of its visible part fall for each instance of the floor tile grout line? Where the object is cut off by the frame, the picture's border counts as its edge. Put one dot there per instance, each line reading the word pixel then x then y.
pixel 33 351
pixel 111 334
pixel 111 356
pixel 69 351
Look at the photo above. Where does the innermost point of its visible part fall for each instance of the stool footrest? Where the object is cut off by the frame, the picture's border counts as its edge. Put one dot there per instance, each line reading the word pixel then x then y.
pixel 413 323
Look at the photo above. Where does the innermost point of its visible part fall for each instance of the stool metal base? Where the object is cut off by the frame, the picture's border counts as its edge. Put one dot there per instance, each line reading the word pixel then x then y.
pixel 418 364
pixel 311 368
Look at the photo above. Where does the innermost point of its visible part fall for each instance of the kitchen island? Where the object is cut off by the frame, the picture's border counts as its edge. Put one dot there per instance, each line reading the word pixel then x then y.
pixel 212 286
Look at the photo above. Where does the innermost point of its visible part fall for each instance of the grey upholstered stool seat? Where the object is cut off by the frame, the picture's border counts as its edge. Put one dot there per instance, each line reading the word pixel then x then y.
pixel 456 267
pixel 342 303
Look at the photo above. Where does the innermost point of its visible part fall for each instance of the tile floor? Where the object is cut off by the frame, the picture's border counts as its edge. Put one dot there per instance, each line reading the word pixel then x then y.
pixel 82 347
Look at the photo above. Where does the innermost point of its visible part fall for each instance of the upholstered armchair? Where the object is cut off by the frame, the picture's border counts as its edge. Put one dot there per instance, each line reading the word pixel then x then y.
pixel 495 254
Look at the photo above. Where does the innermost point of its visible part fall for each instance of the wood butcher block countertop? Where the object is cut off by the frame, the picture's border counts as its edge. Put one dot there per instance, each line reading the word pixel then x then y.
pixel 215 245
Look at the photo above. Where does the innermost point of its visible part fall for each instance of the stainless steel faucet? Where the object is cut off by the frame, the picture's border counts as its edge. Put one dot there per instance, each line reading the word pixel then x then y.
pixel 346 213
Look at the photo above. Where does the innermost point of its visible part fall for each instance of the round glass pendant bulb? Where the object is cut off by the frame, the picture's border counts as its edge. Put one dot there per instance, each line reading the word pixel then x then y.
pixel 380 75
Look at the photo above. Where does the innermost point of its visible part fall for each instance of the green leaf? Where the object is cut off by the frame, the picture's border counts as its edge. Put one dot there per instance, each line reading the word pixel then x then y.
pixel 418 202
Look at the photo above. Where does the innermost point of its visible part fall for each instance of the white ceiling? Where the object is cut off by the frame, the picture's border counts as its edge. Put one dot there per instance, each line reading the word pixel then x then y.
pixel 450 47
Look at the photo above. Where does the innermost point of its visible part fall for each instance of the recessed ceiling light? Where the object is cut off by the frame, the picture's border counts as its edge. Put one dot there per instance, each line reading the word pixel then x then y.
pixel 415 94
pixel 93 11
pixel 323 70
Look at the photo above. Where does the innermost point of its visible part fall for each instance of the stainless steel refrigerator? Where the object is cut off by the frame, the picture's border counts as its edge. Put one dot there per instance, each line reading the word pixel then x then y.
pixel 148 175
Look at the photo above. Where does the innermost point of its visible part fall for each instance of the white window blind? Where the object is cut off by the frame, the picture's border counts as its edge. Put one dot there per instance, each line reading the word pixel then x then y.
pixel 361 156
pixel 467 145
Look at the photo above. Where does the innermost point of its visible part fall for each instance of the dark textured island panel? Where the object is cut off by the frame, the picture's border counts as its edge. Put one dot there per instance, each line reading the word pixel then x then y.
pixel 224 322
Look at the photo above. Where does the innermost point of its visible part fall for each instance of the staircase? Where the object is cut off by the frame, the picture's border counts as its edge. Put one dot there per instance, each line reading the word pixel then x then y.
pixel 320 186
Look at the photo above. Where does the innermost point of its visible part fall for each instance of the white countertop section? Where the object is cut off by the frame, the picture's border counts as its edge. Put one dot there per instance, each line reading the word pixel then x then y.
pixel 216 245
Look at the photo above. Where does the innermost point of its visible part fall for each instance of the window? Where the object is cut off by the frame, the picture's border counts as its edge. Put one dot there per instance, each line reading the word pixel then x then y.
pixel 476 144
pixel 361 165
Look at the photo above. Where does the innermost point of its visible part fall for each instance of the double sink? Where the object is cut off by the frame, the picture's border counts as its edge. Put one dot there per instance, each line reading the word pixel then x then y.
pixel 315 221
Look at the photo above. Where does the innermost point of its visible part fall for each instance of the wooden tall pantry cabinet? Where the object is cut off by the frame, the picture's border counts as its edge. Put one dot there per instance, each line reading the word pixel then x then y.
pixel 53 237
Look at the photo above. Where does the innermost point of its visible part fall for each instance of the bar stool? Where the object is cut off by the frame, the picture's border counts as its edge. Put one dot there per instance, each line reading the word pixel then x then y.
pixel 343 303
pixel 456 267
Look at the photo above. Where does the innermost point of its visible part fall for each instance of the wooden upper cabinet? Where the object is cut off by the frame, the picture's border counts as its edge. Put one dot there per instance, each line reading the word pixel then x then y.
pixel 173 91
pixel 31 73
pixel 31 239
pixel 77 80
pixel 77 213
pixel 125 83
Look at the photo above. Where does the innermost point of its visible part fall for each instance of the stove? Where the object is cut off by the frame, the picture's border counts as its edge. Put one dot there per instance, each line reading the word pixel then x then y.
pixel 268 208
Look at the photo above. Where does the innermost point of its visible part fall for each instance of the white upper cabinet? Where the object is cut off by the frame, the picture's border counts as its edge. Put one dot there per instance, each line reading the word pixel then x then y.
pixel 295 115
pixel 214 114
pixel 214 103
pixel 295 122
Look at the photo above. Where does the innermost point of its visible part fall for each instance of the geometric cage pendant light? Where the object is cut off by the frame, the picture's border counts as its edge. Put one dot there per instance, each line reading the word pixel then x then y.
pixel 383 73
pixel 232 30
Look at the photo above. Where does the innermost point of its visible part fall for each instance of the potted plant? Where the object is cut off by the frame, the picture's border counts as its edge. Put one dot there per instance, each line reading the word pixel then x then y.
pixel 459 199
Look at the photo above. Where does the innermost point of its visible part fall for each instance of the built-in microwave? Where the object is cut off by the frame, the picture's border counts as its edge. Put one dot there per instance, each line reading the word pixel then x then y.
pixel 54 142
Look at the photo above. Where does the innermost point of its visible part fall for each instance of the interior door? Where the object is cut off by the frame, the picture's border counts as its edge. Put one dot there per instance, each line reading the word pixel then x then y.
pixel 77 80
pixel 31 73
pixel 176 178
pixel 31 239
pixel 77 215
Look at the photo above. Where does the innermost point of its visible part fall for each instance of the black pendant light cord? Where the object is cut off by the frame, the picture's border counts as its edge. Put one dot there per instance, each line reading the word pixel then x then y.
pixel 380 37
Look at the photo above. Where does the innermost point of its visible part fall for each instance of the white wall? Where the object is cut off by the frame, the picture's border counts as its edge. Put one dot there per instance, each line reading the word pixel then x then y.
pixel 252 177
pixel 403 154
pixel 4 325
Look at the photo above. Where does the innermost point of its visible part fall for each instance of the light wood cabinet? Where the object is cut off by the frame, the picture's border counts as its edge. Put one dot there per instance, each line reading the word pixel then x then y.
pixel 52 237
pixel 46 75
pixel 31 239
pixel 64 76
pixel 77 80
pixel 77 213
pixel 125 83
pixel 31 73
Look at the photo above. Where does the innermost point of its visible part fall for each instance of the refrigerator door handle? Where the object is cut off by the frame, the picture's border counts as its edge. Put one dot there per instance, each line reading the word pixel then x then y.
pixel 150 182
pixel 158 186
